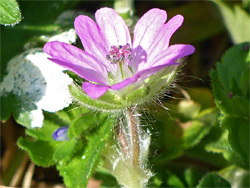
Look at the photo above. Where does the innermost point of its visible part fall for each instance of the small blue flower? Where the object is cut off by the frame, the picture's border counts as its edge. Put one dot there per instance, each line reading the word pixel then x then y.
pixel 61 134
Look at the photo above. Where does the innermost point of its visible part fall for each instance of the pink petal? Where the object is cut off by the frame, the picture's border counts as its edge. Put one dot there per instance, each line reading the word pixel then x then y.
pixel 92 39
pixel 172 53
pixel 76 60
pixel 168 59
pixel 94 90
pixel 145 32
pixel 161 41
pixel 112 27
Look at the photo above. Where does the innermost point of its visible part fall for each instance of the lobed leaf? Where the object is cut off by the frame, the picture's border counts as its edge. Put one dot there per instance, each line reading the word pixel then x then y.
pixel 229 82
pixel 40 152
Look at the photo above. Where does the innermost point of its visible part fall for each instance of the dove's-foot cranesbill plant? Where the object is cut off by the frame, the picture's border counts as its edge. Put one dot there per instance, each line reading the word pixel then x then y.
pixel 120 75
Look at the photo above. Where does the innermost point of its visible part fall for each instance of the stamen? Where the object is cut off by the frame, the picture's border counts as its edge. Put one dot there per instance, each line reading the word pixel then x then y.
pixel 119 54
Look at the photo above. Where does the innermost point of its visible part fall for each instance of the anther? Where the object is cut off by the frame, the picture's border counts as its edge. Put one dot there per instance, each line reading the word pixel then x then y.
pixel 119 53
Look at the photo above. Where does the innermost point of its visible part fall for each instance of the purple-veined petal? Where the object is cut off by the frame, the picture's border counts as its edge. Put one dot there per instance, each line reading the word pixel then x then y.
pixel 76 60
pixel 172 53
pixel 161 42
pixel 125 82
pixel 61 134
pixel 92 39
pixel 145 32
pixel 94 90
pixel 113 27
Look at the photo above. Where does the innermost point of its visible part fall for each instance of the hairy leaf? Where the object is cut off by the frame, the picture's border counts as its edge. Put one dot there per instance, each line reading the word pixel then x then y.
pixel 9 12
pixel 77 172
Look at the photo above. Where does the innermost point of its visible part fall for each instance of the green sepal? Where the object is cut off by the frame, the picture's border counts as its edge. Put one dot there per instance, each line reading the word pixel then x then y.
pixel 213 180
pixel 132 95
pixel 85 100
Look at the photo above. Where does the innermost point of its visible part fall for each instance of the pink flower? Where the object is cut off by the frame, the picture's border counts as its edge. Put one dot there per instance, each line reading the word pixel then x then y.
pixel 110 60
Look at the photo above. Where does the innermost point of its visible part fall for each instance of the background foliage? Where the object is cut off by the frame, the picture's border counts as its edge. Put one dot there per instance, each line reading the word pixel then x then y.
pixel 201 140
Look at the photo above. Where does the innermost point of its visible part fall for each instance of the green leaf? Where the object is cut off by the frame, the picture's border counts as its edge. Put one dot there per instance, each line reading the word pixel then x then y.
pixel 239 31
pixel 9 12
pixel 64 150
pixel 192 176
pixel 228 69
pixel 238 136
pixel 169 140
pixel 40 152
pixel 173 180
pixel 104 175
pixel 199 152
pixel 189 108
pixel 7 104
pixel 221 101
pixel 194 131
pixel 236 176
pixel 244 82
pixel 220 145
pixel 230 91
pixel 45 132
pixel 84 123
pixel 213 180
pixel 202 96
pixel 77 172
pixel 38 22
pixel 43 149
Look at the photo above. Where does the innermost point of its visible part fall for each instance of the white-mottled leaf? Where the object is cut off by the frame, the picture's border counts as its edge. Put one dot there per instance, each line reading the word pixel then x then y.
pixel 37 84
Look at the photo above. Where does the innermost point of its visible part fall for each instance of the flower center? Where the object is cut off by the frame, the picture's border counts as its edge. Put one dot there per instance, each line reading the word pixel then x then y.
pixel 119 54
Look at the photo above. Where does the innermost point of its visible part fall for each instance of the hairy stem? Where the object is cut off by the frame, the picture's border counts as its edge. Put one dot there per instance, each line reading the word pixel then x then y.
pixel 132 123
pixel 122 140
